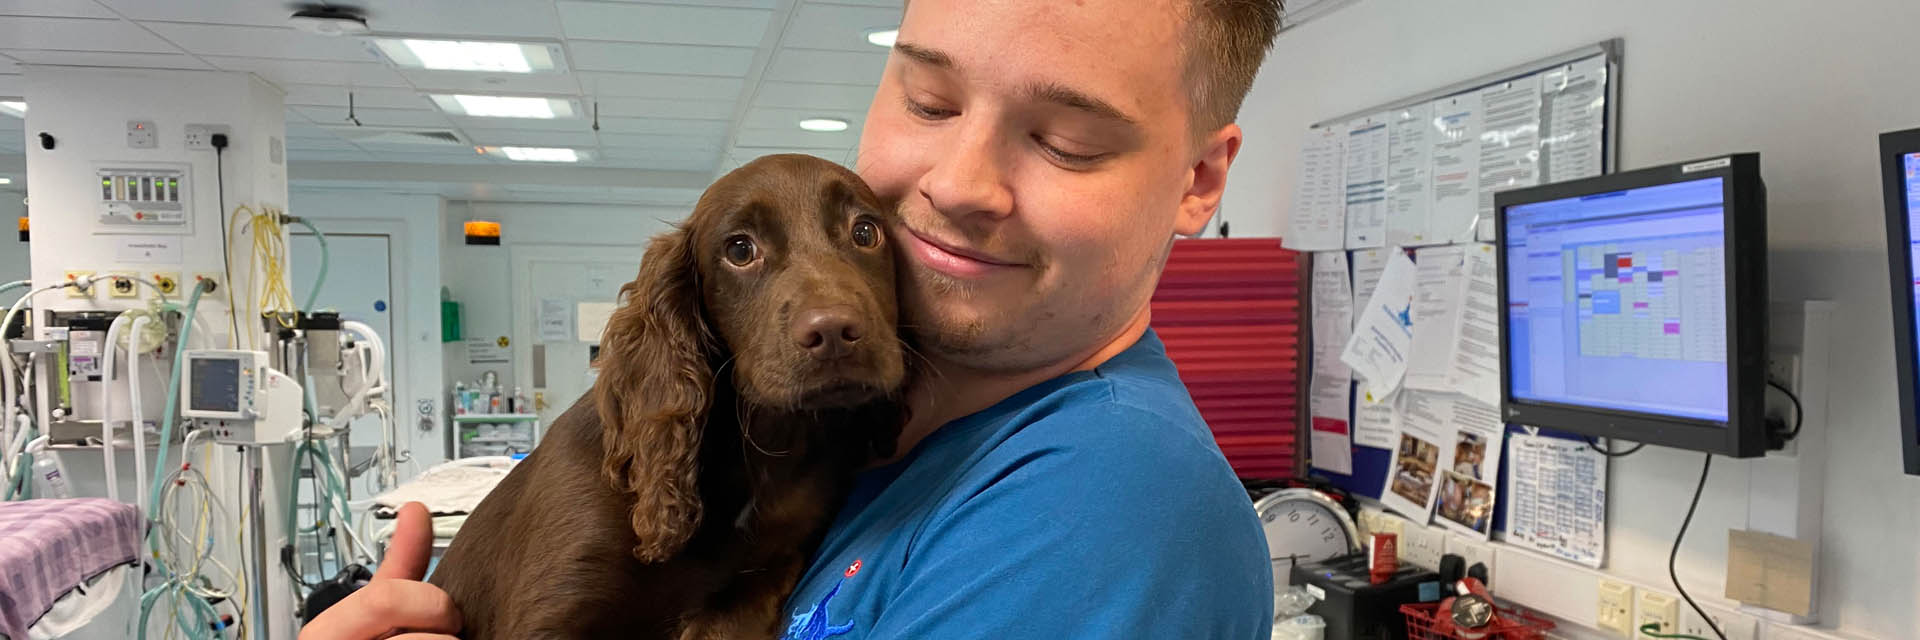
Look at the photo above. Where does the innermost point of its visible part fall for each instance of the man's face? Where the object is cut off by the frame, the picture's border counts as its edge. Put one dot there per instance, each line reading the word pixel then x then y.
pixel 1040 156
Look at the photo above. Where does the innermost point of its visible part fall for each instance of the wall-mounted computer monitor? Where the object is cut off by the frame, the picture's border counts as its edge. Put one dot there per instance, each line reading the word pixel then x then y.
pixel 1900 172
pixel 1636 305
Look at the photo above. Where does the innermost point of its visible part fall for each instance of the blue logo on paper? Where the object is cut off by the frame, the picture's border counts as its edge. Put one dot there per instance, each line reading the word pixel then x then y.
pixel 815 624
pixel 1404 317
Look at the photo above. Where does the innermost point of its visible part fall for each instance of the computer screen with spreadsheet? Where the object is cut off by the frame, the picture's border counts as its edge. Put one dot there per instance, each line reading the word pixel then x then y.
pixel 1636 305
pixel 1900 171
pixel 1620 300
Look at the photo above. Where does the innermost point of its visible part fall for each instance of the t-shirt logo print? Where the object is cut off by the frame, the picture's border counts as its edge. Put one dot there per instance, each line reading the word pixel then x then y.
pixel 815 624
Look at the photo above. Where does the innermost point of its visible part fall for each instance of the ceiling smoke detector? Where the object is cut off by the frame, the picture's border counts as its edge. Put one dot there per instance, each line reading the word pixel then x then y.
pixel 328 20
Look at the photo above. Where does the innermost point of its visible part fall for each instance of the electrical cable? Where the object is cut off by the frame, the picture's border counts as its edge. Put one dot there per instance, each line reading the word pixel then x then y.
pixel 1652 630
pixel 1798 415
pixel 173 392
pixel 320 278
pixel 1594 443
pixel 226 243
pixel 1674 555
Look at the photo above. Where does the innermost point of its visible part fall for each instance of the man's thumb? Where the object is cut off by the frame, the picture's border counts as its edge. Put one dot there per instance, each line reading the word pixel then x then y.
pixel 411 546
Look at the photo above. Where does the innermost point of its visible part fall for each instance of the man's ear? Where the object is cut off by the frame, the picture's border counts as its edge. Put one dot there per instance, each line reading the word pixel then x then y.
pixel 1207 180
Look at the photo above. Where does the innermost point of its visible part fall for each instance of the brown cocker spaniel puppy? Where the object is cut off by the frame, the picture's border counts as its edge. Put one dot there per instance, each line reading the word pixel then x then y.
pixel 753 367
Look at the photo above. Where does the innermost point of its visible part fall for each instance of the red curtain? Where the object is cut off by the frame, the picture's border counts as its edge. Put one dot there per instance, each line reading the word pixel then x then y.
pixel 1229 312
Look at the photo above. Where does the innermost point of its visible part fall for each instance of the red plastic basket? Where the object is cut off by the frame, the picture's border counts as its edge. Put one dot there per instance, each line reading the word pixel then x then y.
pixel 1423 623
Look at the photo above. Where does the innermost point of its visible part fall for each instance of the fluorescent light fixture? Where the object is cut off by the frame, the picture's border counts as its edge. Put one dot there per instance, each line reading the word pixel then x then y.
pixel 823 124
pixel 15 108
pixel 506 106
pixel 6 180
pixel 537 154
pixel 473 55
pixel 882 37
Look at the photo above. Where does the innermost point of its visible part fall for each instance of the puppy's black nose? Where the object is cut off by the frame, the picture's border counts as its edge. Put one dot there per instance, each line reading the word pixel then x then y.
pixel 826 333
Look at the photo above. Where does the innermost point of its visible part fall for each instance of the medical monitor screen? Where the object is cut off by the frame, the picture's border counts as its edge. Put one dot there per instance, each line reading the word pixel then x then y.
pixel 1910 178
pixel 1618 300
pixel 216 384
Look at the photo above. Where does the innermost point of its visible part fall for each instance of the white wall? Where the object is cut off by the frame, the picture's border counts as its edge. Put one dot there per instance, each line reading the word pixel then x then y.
pixel 1809 86
pixel 478 275
pixel 412 222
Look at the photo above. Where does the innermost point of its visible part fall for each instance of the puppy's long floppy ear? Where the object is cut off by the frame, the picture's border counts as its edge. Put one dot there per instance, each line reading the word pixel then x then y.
pixel 653 394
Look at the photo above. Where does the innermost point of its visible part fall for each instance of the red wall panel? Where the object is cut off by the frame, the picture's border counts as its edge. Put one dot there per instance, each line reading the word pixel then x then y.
pixel 1229 312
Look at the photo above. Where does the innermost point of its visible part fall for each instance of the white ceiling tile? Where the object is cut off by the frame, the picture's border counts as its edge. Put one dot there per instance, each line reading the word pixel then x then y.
pixel 374 117
pixel 283 72
pixel 745 4
pixel 504 137
pixel 838 27
pixel 317 144
pixel 297 155
pixel 262 42
pixel 663 126
pixel 674 24
pixel 795 137
pixel 842 67
pixel 665 160
pixel 634 57
pixel 336 96
pixel 296 130
pixel 743 154
pixel 8 66
pixel 789 119
pixel 650 85
pixel 863 3
pixel 803 95
pixel 476 126
pixel 110 59
pixel 397 154
pixel 78 33
pixel 13 85
pixel 661 108
pixel 53 8
pixel 661 142
pixel 491 83
pixel 517 18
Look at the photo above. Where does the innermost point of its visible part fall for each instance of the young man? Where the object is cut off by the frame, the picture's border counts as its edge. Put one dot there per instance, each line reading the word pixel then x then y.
pixel 1057 481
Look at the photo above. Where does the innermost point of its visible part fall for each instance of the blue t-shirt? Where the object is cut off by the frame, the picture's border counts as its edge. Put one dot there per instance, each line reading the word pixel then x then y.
pixel 1094 505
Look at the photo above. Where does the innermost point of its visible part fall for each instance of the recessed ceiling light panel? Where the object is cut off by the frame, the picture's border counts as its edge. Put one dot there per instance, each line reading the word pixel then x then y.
pixel 485 106
pixel 823 124
pixel 491 56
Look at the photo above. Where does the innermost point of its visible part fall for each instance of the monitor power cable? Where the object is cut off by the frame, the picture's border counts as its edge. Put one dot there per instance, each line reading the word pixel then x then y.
pixel 1674 554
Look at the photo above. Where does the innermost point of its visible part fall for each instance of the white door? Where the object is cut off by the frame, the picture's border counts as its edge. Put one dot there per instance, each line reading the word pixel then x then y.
pixel 359 286
pixel 565 277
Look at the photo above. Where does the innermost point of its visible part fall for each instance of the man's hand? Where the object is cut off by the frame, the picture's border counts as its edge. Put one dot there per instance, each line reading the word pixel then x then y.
pixel 395 604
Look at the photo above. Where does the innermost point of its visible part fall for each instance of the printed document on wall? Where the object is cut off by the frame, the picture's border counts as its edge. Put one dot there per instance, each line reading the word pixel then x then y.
pixel 1368 264
pixel 1376 421
pixel 1409 176
pixel 1366 182
pixel 1576 96
pixel 1412 474
pixel 1456 168
pixel 1475 370
pixel 1318 220
pixel 1469 464
pixel 1378 348
pixel 1557 498
pixel 1509 142
pixel 1436 316
pixel 1331 386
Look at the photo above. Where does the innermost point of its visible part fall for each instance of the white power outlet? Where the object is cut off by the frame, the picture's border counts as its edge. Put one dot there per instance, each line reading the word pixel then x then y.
pixel 200 136
pixel 1615 608
pixel 1473 552
pixel 1421 546
pixel 1735 626
pixel 1656 608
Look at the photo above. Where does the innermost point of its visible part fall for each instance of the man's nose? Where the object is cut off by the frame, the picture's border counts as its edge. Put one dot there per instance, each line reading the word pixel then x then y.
pixel 969 176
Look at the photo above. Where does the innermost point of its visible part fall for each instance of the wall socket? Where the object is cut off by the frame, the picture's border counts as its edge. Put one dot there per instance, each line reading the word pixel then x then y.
pixel 1735 626
pixel 1615 608
pixel 200 136
pixel 1473 552
pixel 122 285
pixel 1658 609
pixel 77 292
pixel 1422 546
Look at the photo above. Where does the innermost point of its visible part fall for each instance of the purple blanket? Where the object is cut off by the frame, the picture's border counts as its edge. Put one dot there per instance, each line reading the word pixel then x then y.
pixel 48 547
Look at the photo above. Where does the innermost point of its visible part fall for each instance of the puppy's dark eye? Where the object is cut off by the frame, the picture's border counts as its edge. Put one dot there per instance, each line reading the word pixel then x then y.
pixel 866 234
pixel 740 251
